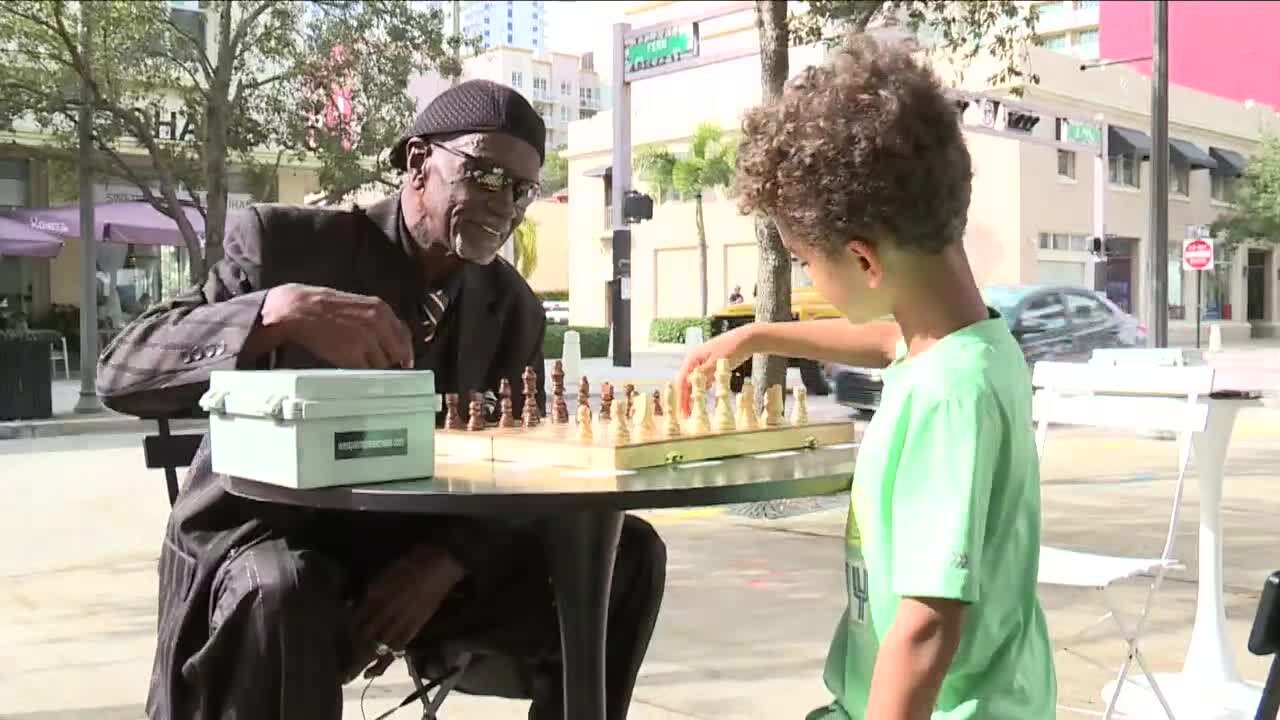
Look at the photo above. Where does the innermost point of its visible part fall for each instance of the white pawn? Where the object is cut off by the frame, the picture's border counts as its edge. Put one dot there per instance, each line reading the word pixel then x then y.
pixel 642 418
pixel 746 419
pixel 799 406
pixel 723 418
pixel 618 429
pixel 699 422
pixel 771 415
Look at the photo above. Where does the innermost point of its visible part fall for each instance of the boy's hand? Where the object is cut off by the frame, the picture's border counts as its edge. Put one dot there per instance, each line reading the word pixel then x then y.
pixel 914 658
pixel 734 346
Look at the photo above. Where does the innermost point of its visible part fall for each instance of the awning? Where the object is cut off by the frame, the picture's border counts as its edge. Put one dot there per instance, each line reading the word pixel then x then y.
pixel 21 238
pixel 1124 141
pixel 122 222
pixel 599 172
pixel 1230 162
pixel 1190 155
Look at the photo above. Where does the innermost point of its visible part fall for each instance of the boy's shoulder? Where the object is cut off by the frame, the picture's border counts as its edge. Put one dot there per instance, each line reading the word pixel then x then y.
pixel 981 361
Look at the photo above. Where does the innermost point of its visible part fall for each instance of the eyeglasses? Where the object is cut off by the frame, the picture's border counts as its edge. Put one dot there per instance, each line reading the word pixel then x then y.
pixel 493 177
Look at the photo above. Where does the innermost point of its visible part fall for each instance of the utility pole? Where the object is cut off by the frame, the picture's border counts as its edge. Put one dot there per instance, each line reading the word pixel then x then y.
pixel 621 183
pixel 1158 224
pixel 88 401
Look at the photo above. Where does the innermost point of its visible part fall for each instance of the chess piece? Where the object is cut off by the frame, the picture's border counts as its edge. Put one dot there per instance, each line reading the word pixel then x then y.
pixel 747 418
pixel 476 420
pixel 657 403
pixel 629 393
pixel 559 410
pixel 451 419
pixel 531 414
pixel 722 420
pixel 671 424
pixel 800 406
pixel 642 418
pixel 606 402
pixel 699 421
pixel 618 429
pixel 584 423
pixel 772 413
pixel 584 393
pixel 504 388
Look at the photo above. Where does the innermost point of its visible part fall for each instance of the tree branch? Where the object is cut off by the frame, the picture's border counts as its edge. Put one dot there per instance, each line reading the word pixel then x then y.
pixel 243 87
pixel 199 55
pixel 247 21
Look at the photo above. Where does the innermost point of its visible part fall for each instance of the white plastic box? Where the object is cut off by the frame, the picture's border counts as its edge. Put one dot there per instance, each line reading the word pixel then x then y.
pixel 321 428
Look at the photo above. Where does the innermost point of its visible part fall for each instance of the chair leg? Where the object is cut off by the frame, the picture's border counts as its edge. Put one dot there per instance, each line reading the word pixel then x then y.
pixel 66 360
pixel 1133 653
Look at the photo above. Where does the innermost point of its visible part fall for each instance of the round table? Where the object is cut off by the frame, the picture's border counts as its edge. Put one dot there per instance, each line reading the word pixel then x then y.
pixel 588 506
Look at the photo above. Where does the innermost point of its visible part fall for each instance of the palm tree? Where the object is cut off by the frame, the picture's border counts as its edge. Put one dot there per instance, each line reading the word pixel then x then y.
pixel 708 165
pixel 525 240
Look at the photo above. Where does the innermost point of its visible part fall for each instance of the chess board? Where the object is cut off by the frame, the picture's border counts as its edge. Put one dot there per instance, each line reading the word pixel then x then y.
pixel 559 444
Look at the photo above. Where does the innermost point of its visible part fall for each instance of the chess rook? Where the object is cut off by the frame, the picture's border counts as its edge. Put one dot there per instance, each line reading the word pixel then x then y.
pixel 451 419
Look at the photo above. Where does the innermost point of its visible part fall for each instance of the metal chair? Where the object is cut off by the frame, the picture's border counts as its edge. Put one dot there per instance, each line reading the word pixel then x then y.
pixel 55 356
pixel 1135 399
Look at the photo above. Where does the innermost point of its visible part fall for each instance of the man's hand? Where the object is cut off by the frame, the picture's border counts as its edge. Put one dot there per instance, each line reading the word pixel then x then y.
pixel 350 331
pixel 398 603
pixel 734 346
pixel 914 658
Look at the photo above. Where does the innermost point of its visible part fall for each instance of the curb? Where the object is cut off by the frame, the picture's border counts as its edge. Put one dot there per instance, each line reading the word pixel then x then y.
pixel 89 425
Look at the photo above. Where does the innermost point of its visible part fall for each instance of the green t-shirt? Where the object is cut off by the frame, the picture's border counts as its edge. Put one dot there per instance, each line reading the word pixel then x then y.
pixel 946 504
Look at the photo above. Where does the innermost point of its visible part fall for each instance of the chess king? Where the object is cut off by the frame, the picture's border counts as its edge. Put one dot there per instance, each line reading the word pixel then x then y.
pixel 269 609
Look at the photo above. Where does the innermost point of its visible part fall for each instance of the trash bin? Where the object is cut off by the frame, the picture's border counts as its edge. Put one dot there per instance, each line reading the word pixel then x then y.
pixel 25 382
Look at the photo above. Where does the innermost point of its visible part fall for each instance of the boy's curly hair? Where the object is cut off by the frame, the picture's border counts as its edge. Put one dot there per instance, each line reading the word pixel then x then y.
pixel 865 147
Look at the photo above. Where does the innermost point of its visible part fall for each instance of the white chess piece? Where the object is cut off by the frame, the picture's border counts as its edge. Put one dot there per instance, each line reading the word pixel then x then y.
pixel 723 418
pixel 618 429
pixel 671 417
pixel 584 423
pixel 699 422
pixel 746 418
pixel 772 412
pixel 642 418
pixel 800 406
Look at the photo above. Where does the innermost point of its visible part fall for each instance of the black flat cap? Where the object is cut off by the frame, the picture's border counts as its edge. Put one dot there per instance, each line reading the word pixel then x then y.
pixel 476 106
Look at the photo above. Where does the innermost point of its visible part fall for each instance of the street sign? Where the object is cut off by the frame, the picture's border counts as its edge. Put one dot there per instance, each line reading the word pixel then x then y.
pixel 1197 254
pixel 663 46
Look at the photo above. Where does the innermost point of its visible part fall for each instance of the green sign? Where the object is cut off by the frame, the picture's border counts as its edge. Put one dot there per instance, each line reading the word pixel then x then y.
pixel 1090 135
pixel 661 47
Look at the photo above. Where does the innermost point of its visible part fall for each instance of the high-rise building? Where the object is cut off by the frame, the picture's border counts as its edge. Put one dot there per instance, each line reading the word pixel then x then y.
pixel 501 23
pixel 562 88
pixel 1071 26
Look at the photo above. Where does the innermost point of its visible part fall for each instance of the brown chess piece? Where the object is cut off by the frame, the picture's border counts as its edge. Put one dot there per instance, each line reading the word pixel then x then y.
pixel 504 388
pixel 451 419
pixel 657 403
pixel 476 421
pixel 584 393
pixel 559 409
pixel 531 414
pixel 506 420
pixel 606 401
pixel 629 398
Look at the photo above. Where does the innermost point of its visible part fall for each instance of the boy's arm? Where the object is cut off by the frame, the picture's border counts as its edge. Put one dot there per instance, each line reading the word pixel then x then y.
pixel 835 340
pixel 914 658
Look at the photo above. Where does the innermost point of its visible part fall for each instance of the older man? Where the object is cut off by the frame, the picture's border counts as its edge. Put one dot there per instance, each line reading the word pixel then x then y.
pixel 266 610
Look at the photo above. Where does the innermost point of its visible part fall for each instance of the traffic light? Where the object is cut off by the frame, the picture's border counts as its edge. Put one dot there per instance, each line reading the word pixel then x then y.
pixel 637 207
pixel 1018 120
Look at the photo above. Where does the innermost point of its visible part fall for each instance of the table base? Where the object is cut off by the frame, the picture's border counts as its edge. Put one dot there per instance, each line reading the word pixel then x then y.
pixel 1190 698
pixel 581 550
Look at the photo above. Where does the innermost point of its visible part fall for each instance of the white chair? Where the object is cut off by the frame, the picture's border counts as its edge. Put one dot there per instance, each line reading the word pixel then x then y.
pixel 1132 398
pixel 55 356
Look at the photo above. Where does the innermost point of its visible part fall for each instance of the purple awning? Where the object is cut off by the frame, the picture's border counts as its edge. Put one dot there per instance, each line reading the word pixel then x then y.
pixel 121 222
pixel 20 238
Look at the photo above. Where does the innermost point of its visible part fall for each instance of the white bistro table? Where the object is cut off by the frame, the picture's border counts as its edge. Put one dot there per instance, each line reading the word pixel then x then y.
pixel 1209 686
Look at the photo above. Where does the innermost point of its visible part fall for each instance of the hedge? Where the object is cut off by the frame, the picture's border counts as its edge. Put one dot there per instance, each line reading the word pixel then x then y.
pixel 560 295
pixel 594 341
pixel 671 329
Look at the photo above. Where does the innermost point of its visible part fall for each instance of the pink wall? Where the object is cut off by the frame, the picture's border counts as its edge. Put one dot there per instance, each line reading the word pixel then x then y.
pixel 1222 47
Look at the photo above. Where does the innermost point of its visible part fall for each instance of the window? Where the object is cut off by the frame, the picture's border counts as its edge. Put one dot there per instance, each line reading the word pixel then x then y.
pixel 1064 241
pixel 1222 188
pixel 509 12
pixel 508 26
pixel 564 113
pixel 1123 170
pixel 517 79
pixel 1086 43
pixel 1086 4
pixel 1054 42
pixel 1179 180
pixel 486 21
pixel 1067 164
pixel 14 176
pixel 509 40
pixel 192 24
pixel 565 88
pixel 540 83
pixel 1086 310
pixel 1043 314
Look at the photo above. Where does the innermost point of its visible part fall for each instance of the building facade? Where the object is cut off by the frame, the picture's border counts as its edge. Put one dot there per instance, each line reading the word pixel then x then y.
pixel 563 88
pixel 1033 211
pixel 504 23
pixel 1072 27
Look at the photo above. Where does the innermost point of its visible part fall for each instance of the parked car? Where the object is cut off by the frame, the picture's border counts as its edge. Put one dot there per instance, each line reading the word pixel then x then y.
pixel 1050 322
pixel 557 311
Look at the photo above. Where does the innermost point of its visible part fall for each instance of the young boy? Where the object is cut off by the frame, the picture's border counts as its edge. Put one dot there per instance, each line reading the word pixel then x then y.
pixel 863 167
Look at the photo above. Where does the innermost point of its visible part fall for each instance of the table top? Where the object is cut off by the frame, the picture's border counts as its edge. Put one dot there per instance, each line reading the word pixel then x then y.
pixel 471 487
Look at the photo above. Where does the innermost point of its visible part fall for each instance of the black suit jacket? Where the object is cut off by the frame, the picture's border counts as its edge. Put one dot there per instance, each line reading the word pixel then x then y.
pixel 159 367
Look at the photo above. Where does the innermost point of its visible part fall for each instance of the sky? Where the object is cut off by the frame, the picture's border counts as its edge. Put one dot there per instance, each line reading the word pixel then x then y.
pixel 583 26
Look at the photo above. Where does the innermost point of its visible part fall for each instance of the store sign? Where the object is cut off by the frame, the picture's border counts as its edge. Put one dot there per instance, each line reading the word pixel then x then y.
pixel 123 191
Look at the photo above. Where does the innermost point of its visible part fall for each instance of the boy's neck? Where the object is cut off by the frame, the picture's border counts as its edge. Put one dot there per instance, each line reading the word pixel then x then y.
pixel 936 299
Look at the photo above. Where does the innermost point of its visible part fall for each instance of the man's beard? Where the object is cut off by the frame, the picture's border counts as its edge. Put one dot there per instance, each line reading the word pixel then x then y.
pixel 476 251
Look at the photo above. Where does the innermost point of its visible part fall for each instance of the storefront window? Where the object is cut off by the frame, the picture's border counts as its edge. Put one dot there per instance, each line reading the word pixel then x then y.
pixel 132 278
pixel 1217 290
